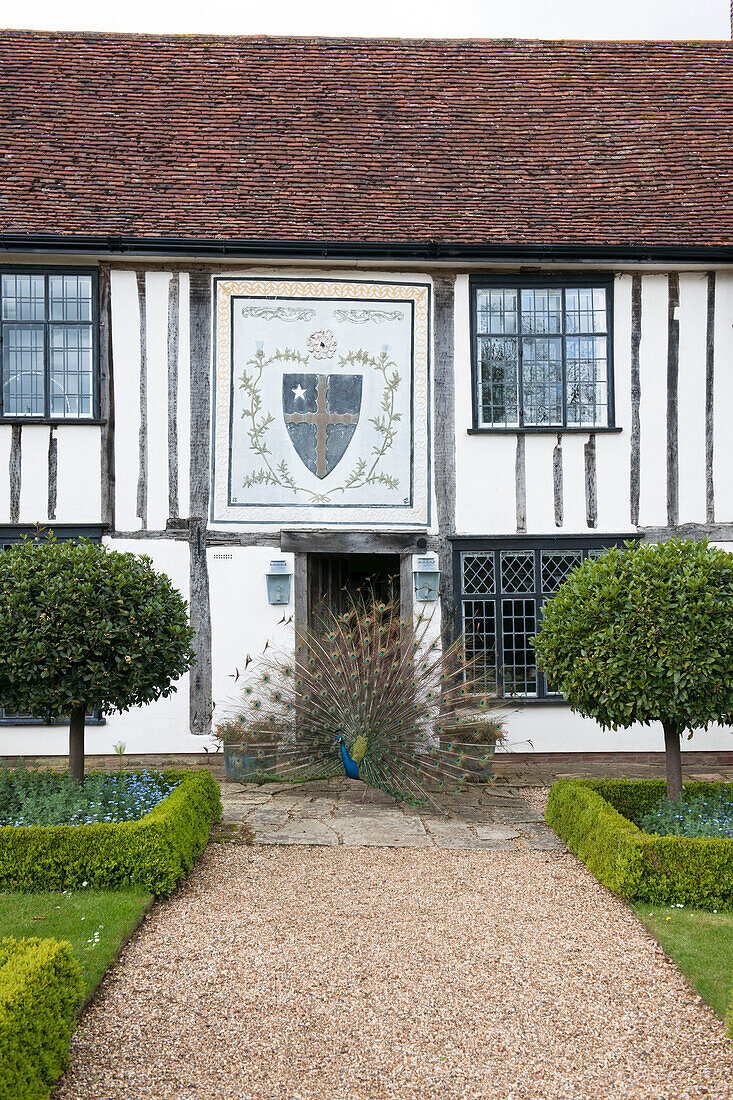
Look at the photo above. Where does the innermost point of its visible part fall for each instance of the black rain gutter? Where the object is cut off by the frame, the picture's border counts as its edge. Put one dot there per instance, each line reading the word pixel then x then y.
pixel 370 250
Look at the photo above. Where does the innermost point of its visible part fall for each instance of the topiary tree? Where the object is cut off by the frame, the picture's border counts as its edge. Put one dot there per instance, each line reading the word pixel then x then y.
pixel 82 628
pixel 645 634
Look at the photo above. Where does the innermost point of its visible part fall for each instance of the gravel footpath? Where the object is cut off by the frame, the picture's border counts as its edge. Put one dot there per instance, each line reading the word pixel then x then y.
pixel 346 973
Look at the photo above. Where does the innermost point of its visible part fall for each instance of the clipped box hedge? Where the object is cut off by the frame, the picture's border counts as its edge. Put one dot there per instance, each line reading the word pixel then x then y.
pixel 155 852
pixel 40 990
pixel 593 818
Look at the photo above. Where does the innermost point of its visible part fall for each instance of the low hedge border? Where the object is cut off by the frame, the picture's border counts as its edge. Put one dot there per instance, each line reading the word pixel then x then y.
pixel 729 1018
pixel 593 818
pixel 40 990
pixel 155 852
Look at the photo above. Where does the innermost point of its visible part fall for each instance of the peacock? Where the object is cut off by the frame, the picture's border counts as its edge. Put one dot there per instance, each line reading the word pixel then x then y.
pixel 375 698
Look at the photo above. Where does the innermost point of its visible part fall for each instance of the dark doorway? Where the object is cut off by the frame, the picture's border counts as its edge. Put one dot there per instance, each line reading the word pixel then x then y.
pixel 336 579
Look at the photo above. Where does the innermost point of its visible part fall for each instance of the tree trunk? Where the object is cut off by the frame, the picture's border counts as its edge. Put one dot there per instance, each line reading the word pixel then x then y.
pixel 673 760
pixel 76 744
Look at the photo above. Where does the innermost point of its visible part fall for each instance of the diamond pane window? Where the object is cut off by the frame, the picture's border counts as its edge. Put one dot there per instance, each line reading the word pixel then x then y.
pixel 556 566
pixel 517 571
pixel 503 591
pixel 48 345
pixel 478 573
pixel 542 357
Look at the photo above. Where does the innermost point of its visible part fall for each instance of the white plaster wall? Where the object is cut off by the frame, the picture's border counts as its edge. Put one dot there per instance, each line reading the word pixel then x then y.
pixel 6 435
pixel 126 359
pixel 613 451
pixel 723 397
pixel 78 477
pixel 653 407
pixel 34 473
pixel 551 728
pixel 540 492
pixel 242 620
pixel 573 483
pixel 691 397
pixel 184 395
pixel 156 301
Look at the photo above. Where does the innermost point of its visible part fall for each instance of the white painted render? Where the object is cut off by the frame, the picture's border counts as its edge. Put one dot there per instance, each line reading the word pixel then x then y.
pixel 242 620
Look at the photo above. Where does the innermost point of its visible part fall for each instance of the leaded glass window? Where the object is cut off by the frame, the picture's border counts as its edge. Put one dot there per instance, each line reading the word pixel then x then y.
pixel 542 356
pixel 47 333
pixel 502 593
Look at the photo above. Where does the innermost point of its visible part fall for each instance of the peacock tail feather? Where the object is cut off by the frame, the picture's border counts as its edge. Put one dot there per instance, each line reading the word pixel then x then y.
pixel 416 717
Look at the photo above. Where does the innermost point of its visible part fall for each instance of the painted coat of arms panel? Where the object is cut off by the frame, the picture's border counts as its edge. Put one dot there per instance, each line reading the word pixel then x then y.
pixel 321 402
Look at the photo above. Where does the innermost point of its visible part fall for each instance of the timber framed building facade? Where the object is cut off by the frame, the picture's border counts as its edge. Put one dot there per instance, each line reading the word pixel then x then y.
pixel 369 311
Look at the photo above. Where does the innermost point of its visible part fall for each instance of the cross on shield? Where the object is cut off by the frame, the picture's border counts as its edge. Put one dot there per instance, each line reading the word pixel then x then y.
pixel 321 412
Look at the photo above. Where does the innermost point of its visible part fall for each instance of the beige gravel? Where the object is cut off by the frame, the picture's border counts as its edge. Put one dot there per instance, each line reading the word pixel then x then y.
pixel 537 797
pixel 350 973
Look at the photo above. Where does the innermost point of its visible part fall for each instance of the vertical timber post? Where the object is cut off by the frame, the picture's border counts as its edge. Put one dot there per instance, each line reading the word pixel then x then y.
pixel 406 588
pixel 200 688
pixel 444 437
pixel 106 397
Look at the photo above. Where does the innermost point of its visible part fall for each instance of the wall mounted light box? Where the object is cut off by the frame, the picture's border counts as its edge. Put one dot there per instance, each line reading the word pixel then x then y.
pixel 427 580
pixel 278 582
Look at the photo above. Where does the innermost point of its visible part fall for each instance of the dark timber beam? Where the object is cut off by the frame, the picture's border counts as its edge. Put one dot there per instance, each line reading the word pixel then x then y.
pixel 353 542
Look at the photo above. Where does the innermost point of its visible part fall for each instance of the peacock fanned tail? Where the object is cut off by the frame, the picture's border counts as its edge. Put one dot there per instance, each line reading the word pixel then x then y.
pixel 415 717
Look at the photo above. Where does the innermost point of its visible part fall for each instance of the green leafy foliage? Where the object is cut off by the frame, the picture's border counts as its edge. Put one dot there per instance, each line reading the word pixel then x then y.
pixel 40 990
pixel 34 797
pixel 593 817
pixel 644 634
pixel 729 1018
pixel 155 852
pixel 84 626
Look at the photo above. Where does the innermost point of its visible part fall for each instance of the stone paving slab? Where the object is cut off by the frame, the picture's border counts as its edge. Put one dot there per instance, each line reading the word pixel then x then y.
pixel 305 831
pixel 343 812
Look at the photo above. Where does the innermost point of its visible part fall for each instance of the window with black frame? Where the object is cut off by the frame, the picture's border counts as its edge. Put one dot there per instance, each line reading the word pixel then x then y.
pixel 502 591
pixel 8 537
pixel 542 355
pixel 47 329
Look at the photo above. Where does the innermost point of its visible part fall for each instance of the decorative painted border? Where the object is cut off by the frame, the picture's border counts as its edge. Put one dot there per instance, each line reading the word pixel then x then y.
pixel 417 514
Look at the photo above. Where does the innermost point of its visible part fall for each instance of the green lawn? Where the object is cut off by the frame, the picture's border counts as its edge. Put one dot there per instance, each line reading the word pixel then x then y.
pixel 95 922
pixel 701 944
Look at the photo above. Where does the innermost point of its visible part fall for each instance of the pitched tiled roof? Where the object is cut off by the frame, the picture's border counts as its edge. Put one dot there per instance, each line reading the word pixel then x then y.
pixel 485 142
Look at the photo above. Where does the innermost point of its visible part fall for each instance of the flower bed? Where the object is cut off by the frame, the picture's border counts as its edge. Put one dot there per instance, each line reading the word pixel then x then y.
pixel 595 818
pixel 708 814
pixel 155 851
pixel 40 990
pixel 53 798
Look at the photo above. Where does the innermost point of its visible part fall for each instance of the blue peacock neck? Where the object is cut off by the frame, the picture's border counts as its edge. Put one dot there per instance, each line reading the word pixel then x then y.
pixel 350 766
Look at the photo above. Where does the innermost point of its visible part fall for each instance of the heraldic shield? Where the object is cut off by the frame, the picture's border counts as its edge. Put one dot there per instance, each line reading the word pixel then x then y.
pixel 321 413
